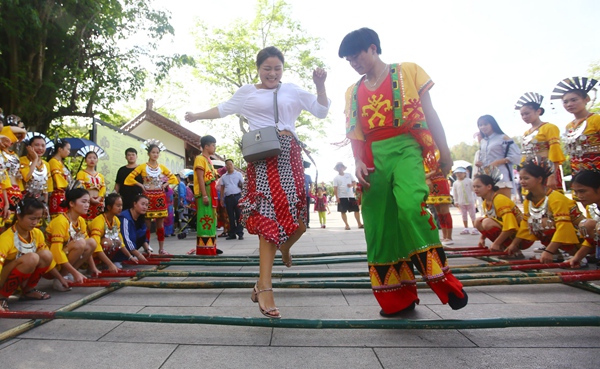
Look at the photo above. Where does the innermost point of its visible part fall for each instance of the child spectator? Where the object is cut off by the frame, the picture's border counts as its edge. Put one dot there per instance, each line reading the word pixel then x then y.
pixel 321 206
pixel 462 191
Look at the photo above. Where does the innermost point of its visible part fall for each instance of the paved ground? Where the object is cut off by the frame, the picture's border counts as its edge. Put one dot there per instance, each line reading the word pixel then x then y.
pixel 111 344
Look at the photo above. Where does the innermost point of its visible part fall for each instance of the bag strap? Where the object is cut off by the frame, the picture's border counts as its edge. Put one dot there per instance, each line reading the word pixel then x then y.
pixel 506 155
pixel 275 104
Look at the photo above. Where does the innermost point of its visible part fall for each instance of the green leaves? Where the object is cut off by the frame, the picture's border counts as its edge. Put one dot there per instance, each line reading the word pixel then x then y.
pixel 74 57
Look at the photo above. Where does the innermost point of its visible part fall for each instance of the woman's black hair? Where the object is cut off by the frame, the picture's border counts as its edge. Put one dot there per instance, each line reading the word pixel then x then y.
pixel 588 178
pixel 27 206
pixel 268 52
pixel 90 152
pixel 72 196
pixel 139 197
pixel 487 181
pixel 150 147
pixel 491 121
pixel 358 41
pixel 535 106
pixel 207 140
pixel 58 144
pixel 110 200
pixel 38 137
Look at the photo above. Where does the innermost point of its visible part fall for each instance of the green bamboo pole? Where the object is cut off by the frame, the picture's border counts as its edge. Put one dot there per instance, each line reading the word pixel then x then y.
pixel 570 321
pixel 300 256
pixel 323 274
pixel 13 332
pixel 508 280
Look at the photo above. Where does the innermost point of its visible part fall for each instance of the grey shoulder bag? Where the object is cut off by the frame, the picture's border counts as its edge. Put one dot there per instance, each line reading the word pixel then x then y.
pixel 262 143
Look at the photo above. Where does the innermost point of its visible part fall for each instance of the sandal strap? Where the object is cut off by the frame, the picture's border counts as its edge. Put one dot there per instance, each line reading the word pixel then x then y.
pixel 4 303
pixel 42 293
pixel 265 290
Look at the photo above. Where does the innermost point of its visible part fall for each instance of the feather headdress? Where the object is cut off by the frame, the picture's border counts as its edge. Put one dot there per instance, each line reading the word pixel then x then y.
pixel 153 141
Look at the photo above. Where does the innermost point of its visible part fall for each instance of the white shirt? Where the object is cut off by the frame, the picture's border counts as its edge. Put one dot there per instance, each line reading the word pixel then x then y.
pixel 257 106
pixel 462 191
pixel 231 182
pixel 342 182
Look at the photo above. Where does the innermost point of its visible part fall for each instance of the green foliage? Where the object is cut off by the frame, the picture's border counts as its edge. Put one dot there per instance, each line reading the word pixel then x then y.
pixel 75 57
pixel 464 151
pixel 226 56
pixel 594 72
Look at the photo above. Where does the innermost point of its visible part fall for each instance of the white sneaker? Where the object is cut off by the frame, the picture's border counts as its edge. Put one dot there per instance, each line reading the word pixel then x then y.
pixel 69 277
pixel 447 242
pixel 465 231
pixel 118 264
pixel 539 250
pixel 59 287
pixel 475 232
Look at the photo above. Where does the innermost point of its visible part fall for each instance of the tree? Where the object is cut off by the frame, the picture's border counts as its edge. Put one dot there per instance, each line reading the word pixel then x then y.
pixel 594 71
pixel 74 57
pixel 226 56
pixel 464 151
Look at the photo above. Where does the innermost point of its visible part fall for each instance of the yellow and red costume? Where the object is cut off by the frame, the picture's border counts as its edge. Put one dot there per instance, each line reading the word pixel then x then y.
pixel 552 219
pixel 582 144
pixel 39 183
pixel 544 141
pixel 60 232
pixel 61 176
pixel 507 215
pixel 101 228
pixel 96 186
pixel 13 246
pixel 151 177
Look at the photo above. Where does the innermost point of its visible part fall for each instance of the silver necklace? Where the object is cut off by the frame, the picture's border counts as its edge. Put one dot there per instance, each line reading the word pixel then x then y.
pixel 536 214
pixel 24 247
pixel 378 78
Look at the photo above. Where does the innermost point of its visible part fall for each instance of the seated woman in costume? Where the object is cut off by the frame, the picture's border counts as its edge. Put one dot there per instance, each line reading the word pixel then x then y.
pixel 94 183
pixel 133 228
pixel 502 217
pixel 105 229
pixel 550 217
pixel 586 186
pixel 69 242
pixel 24 255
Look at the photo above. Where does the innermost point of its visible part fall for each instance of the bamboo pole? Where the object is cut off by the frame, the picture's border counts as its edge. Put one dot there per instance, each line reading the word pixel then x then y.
pixel 300 256
pixel 303 275
pixel 508 280
pixel 567 321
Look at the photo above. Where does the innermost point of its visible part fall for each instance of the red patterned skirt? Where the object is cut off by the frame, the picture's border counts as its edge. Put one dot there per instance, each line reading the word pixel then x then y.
pixel 94 210
pixel 492 234
pixel 14 196
pixel 157 204
pixel 56 198
pixel 274 198
pixel 589 161
pixel 439 191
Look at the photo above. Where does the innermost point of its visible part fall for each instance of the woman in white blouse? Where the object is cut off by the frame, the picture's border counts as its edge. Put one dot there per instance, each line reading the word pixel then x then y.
pixel 274 200
pixel 498 150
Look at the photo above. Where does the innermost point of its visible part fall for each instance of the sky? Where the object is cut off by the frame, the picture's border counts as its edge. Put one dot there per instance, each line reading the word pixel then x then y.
pixel 482 55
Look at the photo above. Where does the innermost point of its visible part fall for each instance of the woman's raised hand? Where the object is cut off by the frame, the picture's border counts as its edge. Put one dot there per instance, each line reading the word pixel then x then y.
pixel 190 117
pixel 319 76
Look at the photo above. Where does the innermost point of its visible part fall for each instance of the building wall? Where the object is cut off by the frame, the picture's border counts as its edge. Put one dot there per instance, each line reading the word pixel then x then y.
pixel 147 130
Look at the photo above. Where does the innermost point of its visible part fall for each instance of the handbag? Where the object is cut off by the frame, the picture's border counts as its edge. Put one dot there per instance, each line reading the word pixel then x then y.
pixel 262 143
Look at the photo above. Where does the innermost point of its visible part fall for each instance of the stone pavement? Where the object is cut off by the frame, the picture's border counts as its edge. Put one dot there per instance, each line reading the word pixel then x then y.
pixel 116 344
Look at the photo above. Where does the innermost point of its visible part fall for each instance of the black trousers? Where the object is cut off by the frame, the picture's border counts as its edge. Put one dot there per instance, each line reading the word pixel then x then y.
pixel 234 213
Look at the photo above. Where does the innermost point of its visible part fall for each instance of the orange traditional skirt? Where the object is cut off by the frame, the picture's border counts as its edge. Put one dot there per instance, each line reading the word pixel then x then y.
pixel 439 190
pixel 94 210
pixel 14 196
pixel 157 204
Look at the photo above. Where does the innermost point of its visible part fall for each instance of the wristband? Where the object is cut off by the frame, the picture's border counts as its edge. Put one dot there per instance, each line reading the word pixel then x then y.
pixel 549 252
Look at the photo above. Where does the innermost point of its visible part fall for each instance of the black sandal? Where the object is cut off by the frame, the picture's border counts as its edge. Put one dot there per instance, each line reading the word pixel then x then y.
pixel 4 304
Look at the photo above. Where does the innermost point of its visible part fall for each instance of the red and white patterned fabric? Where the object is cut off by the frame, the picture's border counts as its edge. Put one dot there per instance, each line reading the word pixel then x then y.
pixel 274 198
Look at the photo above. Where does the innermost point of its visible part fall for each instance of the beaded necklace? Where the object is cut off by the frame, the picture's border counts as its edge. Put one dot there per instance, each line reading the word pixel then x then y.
pixel 22 245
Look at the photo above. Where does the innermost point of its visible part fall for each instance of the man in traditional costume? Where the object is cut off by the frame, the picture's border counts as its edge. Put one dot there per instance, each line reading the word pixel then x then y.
pixel 393 127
